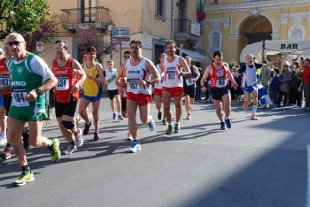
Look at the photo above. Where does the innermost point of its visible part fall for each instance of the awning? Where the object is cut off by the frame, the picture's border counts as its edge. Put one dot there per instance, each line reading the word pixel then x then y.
pixel 196 56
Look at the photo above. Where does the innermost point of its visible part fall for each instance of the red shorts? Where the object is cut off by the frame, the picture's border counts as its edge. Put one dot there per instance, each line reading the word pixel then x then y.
pixel 158 92
pixel 176 91
pixel 141 99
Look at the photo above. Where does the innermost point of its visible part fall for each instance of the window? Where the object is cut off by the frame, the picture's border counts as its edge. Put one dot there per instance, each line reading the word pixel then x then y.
pixel 88 13
pixel 160 9
pixel 215 40
pixel 297 34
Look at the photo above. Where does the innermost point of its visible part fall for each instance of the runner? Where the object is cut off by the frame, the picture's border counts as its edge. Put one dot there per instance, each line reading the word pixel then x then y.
pixel 173 84
pixel 5 102
pixel 158 88
pixel 138 70
pixel 249 83
pixel 70 76
pixel 30 78
pixel 189 84
pixel 92 91
pixel 110 75
pixel 220 74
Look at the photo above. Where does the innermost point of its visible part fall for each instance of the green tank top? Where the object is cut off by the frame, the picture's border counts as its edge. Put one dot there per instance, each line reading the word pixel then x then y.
pixel 23 80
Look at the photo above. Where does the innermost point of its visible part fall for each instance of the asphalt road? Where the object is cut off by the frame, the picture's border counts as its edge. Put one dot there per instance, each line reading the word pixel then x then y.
pixel 255 163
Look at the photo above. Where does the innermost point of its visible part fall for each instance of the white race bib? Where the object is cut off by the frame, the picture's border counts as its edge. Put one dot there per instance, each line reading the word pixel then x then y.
pixel 133 84
pixel 18 98
pixel 5 80
pixel 63 83
pixel 189 81
pixel 221 83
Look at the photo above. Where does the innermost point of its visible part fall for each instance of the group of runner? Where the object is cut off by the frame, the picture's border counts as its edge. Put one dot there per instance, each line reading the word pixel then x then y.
pixel 26 77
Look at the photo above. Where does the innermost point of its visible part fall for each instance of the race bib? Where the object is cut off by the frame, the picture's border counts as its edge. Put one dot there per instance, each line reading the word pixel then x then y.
pixel 171 75
pixel 221 82
pixel 189 82
pixel 63 83
pixel 18 98
pixel 5 80
pixel 133 84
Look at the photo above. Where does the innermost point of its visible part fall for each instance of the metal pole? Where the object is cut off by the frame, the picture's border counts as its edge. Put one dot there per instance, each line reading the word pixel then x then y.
pixel 111 44
pixel 172 20
pixel 120 53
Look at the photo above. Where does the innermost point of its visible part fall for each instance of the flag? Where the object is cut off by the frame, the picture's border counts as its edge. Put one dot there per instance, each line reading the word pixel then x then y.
pixel 200 10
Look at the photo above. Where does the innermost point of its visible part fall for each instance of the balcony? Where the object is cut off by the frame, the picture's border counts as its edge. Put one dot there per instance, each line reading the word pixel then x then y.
pixel 185 29
pixel 84 18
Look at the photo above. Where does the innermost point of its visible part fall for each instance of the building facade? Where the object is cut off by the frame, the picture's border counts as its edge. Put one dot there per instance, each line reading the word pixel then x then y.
pixel 232 24
pixel 150 21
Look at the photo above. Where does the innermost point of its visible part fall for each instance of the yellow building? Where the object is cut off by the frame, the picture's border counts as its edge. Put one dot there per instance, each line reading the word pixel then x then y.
pixel 232 24
pixel 150 21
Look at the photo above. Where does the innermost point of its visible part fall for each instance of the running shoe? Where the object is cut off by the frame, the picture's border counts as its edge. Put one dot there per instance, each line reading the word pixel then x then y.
pixel 253 117
pixel 120 117
pixel 222 125
pixel 86 128
pixel 3 141
pixel 129 138
pixel 70 149
pixel 96 137
pixel 188 116
pixel 177 128
pixel 164 121
pixel 135 146
pixel 26 144
pixel 55 151
pixel 114 117
pixel 228 123
pixel 24 178
pixel 78 142
pixel 159 115
pixel 169 130
pixel 78 134
pixel 6 154
pixel 151 125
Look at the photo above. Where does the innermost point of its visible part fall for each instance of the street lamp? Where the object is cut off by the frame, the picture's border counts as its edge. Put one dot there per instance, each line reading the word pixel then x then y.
pixel 110 28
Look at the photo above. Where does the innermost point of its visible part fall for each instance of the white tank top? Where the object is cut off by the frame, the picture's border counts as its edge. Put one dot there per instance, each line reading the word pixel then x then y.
pixel 171 79
pixel 158 85
pixel 134 74
pixel 110 77
pixel 250 76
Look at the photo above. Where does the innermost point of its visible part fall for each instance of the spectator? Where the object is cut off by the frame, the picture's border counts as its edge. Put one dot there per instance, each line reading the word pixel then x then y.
pixel 274 84
pixel 306 79
pixel 285 78
pixel 295 94
pixel 198 85
pixel 265 74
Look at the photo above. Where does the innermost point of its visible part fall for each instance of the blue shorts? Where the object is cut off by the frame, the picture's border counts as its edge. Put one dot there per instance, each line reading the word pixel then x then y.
pixel 93 98
pixel 251 88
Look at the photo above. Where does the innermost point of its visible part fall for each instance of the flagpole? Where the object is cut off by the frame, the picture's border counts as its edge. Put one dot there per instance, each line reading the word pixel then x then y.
pixel 172 20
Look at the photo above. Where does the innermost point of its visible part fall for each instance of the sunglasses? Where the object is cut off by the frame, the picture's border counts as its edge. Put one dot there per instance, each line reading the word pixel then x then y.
pixel 14 43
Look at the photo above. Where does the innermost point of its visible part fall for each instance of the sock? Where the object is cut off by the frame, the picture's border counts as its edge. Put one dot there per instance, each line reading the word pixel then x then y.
pixel 26 168
pixel 254 108
pixel 51 147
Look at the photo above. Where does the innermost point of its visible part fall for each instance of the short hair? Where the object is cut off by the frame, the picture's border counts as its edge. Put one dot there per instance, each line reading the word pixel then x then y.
pixel 217 53
pixel 66 45
pixel 168 42
pixel 276 70
pixel 126 52
pixel 110 61
pixel 17 35
pixel 188 57
pixel 91 49
pixel 138 42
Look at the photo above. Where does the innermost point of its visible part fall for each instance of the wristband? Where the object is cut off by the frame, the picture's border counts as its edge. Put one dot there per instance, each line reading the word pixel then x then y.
pixel 147 83
pixel 181 73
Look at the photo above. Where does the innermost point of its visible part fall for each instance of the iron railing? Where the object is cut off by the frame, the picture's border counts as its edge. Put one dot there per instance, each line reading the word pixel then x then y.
pixel 98 14
pixel 182 25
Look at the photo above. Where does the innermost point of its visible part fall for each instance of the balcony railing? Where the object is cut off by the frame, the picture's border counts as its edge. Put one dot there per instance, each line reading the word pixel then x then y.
pixel 185 30
pixel 92 17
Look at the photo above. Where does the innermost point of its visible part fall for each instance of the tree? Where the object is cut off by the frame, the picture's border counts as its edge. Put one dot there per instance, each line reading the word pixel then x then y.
pixel 29 17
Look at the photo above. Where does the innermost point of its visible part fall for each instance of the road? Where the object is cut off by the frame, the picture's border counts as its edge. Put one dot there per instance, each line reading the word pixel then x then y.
pixel 255 163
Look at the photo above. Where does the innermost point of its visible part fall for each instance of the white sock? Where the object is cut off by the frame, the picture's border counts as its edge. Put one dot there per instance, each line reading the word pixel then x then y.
pixel 254 108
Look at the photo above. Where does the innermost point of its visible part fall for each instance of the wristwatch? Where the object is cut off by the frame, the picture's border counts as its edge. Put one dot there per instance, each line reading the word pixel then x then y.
pixel 38 91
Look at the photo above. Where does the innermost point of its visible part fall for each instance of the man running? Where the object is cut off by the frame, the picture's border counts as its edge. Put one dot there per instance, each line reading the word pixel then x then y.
pixel 190 86
pixel 30 79
pixel 158 92
pixel 70 76
pixel 249 83
pixel 138 70
pixel 173 84
pixel 92 91
pixel 110 75
pixel 219 74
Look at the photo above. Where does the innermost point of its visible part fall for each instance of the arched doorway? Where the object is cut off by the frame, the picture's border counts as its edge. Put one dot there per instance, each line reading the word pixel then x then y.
pixel 254 29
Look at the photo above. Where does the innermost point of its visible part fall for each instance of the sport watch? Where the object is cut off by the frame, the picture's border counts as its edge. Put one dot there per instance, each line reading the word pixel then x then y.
pixel 38 91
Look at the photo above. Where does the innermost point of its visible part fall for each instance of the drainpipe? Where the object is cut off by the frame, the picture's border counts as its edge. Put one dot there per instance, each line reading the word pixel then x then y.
pixel 172 20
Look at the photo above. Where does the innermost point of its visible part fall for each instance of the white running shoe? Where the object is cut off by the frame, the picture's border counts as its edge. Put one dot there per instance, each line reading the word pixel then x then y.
pixel 3 141
pixel 70 149
pixel 79 142
pixel 135 146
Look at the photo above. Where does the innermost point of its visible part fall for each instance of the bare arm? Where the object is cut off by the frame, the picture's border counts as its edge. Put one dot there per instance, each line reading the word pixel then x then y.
pixel 153 71
pixel 101 79
pixel 230 77
pixel 82 76
pixel 186 71
pixel 196 71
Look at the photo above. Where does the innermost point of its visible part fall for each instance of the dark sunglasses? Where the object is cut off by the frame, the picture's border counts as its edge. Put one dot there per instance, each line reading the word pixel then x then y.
pixel 14 43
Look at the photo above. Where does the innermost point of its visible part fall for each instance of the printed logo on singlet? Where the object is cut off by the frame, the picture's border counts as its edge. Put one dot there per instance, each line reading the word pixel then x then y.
pixel 19 69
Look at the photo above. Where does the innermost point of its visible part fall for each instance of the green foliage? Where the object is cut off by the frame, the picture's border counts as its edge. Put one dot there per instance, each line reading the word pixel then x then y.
pixel 232 63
